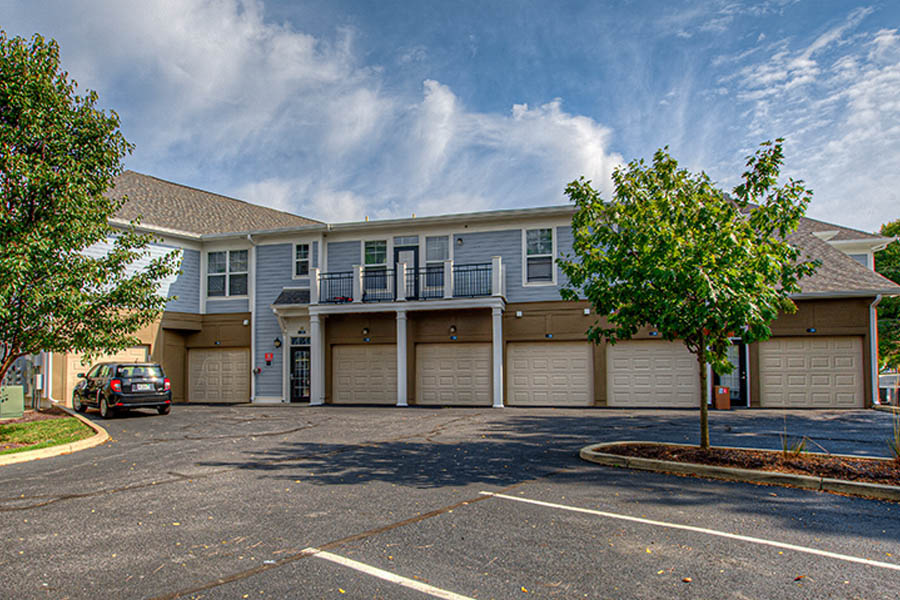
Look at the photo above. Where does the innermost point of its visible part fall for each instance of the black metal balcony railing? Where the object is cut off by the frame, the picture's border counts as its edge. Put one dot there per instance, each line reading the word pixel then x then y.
pixel 472 280
pixel 335 288
pixel 423 283
pixel 378 285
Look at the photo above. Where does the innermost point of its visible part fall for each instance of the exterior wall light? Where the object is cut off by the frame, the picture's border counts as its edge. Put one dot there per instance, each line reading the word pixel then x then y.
pixel 453 329
pixel 365 331
pixel 277 342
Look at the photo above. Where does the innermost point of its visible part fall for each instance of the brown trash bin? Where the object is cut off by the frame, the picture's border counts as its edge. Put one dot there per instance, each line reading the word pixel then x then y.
pixel 723 398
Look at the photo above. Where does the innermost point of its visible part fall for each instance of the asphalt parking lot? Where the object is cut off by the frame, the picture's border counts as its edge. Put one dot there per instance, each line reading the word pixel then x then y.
pixel 355 502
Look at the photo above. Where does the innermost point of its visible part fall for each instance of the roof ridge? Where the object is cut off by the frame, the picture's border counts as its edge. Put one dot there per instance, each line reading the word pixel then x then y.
pixel 196 189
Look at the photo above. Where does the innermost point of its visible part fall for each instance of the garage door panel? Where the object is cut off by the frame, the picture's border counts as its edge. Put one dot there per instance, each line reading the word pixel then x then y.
pixel 550 373
pixel 651 373
pixel 364 374
pixel 76 364
pixel 454 374
pixel 821 372
pixel 219 375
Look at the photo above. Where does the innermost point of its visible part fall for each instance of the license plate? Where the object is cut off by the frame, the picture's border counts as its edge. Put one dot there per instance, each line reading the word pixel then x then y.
pixel 143 387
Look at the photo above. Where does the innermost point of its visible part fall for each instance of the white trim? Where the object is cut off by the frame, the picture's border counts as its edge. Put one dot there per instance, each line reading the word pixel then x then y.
pixel 849 294
pixel 251 304
pixel 401 358
pixel 268 400
pixel 497 355
pixel 243 297
pixel 553 269
pixel 873 350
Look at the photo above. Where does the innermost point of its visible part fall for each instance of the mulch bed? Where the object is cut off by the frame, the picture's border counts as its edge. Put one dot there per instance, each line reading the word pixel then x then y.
pixel 53 412
pixel 835 467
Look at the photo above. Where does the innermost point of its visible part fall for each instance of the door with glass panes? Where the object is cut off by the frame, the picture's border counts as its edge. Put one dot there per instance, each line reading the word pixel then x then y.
pixel 300 369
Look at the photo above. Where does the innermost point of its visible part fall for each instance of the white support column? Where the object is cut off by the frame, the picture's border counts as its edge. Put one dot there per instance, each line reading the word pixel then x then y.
pixel 401 358
pixel 316 362
pixel 400 274
pixel 314 285
pixel 357 283
pixel 497 342
pixel 496 276
pixel 448 279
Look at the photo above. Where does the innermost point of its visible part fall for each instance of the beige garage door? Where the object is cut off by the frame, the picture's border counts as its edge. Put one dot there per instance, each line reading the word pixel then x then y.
pixel 364 374
pixel 550 373
pixel 824 372
pixel 652 373
pixel 74 365
pixel 453 374
pixel 219 375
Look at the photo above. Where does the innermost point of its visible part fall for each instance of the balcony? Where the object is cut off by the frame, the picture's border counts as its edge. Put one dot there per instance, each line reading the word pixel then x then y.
pixel 403 283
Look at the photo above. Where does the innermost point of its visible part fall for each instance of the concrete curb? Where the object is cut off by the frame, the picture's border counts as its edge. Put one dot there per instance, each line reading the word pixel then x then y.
pixel 887 408
pixel 594 453
pixel 100 436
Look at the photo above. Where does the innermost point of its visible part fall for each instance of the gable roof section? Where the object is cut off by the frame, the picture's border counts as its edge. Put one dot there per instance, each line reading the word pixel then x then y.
pixel 838 275
pixel 178 207
pixel 808 225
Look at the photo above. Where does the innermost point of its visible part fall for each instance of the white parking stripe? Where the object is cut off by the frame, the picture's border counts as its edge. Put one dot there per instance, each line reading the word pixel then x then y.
pixel 724 534
pixel 386 575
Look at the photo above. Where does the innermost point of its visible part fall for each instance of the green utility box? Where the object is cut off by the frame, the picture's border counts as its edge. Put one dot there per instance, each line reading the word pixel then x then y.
pixel 12 401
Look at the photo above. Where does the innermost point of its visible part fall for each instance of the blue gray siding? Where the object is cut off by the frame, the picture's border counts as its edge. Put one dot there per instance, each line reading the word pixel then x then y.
pixel 315 255
pixel 227 306
pixel 274 269
pixel 480 247
pixel 342 256
pixel 186 285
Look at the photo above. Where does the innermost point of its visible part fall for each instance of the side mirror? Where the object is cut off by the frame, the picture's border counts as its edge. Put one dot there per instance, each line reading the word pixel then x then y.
pixel 80 375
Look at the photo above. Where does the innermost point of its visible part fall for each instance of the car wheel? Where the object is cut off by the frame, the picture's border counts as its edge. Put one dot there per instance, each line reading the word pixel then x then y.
pixel 77 404
pixel 163 410
pixel 105 411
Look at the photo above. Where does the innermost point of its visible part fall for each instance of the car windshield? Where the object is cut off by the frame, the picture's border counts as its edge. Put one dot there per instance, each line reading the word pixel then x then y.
pixel 139 371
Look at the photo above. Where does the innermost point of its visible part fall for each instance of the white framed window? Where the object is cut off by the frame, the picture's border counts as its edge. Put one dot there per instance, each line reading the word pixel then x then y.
pixel 437 250
pixel 538 250
pixel 302 258
pixel 375 264
pixel 226 273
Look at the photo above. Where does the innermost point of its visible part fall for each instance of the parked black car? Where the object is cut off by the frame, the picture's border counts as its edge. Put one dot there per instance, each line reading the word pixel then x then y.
pixel 112 387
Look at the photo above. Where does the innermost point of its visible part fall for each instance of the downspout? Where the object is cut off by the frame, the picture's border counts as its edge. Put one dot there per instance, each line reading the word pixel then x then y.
pixel 873 348
pixel 252 306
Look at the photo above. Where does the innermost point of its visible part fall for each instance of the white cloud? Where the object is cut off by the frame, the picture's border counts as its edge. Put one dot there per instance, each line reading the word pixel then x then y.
pixel 300 123
pixel 835 100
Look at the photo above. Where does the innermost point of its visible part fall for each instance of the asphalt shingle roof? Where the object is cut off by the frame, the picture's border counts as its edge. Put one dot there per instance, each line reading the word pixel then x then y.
pixel 182 208
pixel 808 225
pixel 293 297
pixel 838 273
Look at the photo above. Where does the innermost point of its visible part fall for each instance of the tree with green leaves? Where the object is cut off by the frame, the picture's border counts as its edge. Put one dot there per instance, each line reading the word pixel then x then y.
pixel 887 262
pixel 59 154
pixel 672 252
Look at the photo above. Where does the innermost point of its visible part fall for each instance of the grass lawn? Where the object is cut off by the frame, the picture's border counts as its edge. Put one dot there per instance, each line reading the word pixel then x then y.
pixel 19 437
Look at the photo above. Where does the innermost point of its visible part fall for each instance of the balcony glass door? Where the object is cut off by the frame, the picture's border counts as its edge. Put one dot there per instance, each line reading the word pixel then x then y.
pixel 410 256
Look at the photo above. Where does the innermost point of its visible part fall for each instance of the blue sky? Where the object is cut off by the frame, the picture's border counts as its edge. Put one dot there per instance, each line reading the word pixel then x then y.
pixel 339 110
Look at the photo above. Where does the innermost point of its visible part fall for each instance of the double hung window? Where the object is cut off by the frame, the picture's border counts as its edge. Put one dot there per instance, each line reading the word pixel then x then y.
pixel 226 273
pixel 539 255
pixel 301 260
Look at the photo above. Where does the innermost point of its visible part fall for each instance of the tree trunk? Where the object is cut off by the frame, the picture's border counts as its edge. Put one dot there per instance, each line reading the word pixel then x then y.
pixel 704 408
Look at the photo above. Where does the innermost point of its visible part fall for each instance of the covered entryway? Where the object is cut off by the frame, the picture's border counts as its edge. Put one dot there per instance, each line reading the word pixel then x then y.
pixel 652 373
pixel 219 374
pixel 811 372
pixel 74 365
pixel 453 374
pixel 364 374
pixel 550 373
